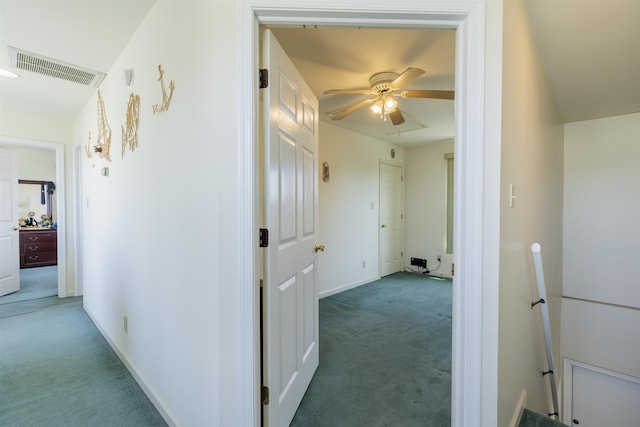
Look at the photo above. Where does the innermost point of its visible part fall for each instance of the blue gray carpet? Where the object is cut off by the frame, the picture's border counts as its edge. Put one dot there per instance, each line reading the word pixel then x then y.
pixel 57 370
pixel 37 282
pixel 531 419
pixel 385 356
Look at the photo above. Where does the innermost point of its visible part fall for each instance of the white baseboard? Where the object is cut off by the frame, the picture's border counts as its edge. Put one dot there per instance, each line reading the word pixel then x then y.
pixel 148 390
pixel 517 414
pixel 346 287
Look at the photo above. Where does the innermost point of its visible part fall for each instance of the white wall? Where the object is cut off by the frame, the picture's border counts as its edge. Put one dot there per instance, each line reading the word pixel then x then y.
pixel 19 124
pixel 532 138
pixel 37 165
pixel 348 207
pixel 601 311
pixel 160 232
pixel 426 206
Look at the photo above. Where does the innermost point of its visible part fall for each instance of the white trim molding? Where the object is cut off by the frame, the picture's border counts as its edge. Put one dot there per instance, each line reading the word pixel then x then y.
pixel 474 361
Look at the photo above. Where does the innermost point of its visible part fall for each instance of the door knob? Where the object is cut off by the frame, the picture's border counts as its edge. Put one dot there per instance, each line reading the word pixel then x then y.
pixel 16 228
pixel 383 225
pixel 318 248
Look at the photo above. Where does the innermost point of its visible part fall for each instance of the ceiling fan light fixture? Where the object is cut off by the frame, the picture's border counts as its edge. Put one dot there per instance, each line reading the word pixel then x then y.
pixel 390 103
pixel 378 106
pixel 384 105
pixel 385 87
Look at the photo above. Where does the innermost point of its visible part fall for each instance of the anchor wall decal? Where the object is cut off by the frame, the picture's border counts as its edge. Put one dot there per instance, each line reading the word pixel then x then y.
pixel 166 100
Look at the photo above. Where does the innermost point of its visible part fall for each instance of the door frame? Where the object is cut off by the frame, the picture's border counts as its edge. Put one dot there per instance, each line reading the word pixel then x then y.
pixel 475 285
pixel 78 219
pixel 61 203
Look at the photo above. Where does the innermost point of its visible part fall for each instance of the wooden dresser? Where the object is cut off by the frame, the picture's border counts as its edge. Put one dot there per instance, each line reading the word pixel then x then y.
pixel 38 247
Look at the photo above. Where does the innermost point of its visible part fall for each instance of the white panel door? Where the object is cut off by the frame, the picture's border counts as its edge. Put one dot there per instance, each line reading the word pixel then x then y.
pixel 391 219
pixel 9 237
pixel 599 399
pixel 290 305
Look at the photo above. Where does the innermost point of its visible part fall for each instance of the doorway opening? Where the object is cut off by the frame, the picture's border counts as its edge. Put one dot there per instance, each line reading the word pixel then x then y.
pixel 45 269
pixel 362 205
pixel 470 376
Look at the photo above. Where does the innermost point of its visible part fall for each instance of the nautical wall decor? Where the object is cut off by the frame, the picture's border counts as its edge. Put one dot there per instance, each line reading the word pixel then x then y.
pixel 326 173
pixel 130 134
pixel 166 99
pixel 103 144
pixel 87 148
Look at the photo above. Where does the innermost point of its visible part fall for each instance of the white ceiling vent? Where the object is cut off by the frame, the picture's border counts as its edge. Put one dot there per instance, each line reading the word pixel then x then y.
pixel 24 60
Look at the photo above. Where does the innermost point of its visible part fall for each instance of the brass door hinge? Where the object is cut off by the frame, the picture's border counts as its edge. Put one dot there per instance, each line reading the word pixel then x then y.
pixel 264 78
pixel 264 237
pixel 265 395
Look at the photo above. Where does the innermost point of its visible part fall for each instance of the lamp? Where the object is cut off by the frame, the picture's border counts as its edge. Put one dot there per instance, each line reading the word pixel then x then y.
pixel 378 106
pixel 384 105
pixel 390 103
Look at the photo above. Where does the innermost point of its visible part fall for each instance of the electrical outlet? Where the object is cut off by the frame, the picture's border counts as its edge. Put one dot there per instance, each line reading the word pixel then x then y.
pixel 364 264
pixel 125 324
pixel 420 262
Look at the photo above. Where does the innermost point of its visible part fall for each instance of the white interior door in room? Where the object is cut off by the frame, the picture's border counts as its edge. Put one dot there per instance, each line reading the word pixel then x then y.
pixel 290 308
pixel 9 259
pixel 391 218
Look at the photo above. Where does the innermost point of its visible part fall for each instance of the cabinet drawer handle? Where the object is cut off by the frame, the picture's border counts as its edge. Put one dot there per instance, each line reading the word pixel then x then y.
pixel 31 248
pixel 33 258
pixel 33 238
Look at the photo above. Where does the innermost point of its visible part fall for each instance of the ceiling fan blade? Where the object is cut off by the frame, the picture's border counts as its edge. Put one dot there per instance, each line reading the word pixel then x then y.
pixel 396 117
pixel 348 110
pixel 436 94
pixel 350 91
pixel 409 75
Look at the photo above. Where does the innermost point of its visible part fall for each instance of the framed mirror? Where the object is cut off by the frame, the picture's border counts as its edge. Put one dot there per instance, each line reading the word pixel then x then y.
pixel 37 197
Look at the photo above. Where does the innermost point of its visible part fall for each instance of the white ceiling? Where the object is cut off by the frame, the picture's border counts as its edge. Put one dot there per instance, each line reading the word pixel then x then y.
pixel 591 53
pixel 345 58
pixel 590 50
pixel 85 33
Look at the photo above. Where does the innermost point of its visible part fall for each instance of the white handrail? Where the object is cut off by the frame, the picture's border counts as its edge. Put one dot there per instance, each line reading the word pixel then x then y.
pixel 544 311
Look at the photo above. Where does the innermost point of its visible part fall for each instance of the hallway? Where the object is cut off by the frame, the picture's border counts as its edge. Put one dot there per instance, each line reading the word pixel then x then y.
pixel 57 370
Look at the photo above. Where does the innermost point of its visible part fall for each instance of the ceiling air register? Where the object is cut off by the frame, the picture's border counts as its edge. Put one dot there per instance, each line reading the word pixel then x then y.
pixel 29 61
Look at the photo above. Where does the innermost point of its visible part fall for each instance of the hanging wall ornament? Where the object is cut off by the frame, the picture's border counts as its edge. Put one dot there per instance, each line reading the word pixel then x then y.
pixel 87 148
pixel 166 99
pixel 103 145
pixel 130 134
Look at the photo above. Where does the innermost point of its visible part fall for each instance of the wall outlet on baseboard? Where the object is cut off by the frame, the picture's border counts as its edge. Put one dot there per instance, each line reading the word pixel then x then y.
pixel 125 324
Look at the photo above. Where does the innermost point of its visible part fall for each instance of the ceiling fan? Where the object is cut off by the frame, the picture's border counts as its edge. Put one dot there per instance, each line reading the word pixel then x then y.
pixel 385 87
